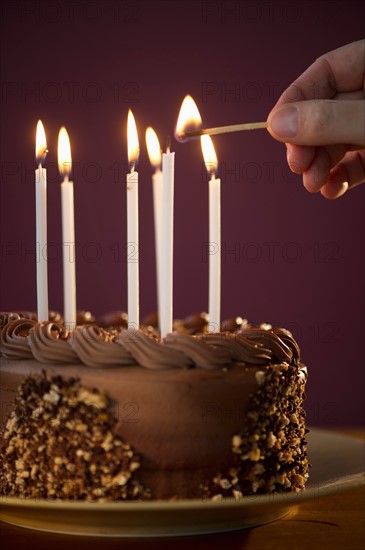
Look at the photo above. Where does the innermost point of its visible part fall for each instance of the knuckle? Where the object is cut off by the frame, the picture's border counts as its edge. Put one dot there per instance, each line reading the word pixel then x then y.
pixel 319 120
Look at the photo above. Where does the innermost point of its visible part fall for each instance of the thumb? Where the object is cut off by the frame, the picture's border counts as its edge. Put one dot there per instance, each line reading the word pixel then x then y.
pixel 319 122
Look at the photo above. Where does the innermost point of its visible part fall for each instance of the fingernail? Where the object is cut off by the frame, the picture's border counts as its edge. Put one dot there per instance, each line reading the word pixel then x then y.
pixel 289 150
pixel 294 167
pixel 284 123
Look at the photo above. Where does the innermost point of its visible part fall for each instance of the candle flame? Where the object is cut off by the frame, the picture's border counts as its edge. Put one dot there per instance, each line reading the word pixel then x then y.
pixel 189 118
pixel 40 143
pixel 153 148
pixel 64 153
pixel 209 154
pixel 132 138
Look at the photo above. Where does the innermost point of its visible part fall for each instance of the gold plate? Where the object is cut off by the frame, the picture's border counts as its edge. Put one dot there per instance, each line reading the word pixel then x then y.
pixel 337 465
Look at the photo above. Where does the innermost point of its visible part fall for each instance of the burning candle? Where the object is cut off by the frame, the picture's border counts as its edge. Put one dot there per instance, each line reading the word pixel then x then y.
pixel 211 164
pixel 168 164
pixel 41 224
pixel 154 153
pixel 68 230
pixel 132 224
pixel 189 120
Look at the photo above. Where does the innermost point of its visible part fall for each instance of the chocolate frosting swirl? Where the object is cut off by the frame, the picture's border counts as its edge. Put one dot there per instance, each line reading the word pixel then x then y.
pixel 200 353
pixel 28 315
pixel 280 351
pixel 14 339
pixel 49 343
pixel 240 349
pixel 150 353
pixel 97 347
pixel 7 317
pixel 288 339
pixel 94 346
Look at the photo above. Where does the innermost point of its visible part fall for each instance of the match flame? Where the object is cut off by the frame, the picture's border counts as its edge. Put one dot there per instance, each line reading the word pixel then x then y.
pixel 64 153
pixel 189 118
pixel 40 143
pixel 153 148
pixel 210 157
pixel 132 138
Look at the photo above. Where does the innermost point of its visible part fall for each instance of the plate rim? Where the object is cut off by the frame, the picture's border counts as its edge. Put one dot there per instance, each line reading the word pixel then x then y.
pixel 319 490
pixel 315 490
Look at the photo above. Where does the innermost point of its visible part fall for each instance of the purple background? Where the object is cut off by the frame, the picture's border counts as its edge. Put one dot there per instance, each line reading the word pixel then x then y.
pixel 289 257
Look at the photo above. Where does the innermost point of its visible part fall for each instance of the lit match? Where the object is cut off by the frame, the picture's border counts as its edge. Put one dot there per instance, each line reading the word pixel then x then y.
pixel 189 123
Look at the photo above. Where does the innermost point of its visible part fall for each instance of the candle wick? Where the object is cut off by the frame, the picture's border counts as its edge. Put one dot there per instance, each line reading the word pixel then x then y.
pixel 132 167
pixel 168 144
pixel 41 158
pixel 65 178
pixel 212 177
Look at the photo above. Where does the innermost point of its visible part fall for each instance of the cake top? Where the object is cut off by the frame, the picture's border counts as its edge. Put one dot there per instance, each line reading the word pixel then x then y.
pixel 109 343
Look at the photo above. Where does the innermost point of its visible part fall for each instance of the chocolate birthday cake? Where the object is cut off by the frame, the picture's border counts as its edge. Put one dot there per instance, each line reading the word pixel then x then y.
pixel 108 413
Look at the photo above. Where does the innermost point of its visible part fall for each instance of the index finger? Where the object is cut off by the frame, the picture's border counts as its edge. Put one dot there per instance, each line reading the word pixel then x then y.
pixel 341 70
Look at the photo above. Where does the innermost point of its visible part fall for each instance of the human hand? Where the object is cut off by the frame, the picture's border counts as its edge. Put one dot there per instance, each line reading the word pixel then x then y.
pixel 321 118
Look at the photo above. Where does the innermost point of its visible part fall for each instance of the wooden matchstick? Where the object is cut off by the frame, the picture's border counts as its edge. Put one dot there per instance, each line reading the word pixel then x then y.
pixel 222 130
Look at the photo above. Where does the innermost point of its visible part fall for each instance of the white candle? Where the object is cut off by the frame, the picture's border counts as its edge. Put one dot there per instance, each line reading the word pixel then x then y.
pixel 154 153
pixel 41 224
pixel 68 231
pixel 210 160
pixel 132 224
pixel 168 162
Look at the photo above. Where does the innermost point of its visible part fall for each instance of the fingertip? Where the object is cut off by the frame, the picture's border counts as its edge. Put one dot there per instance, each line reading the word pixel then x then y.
pixel 282 122
pixel 337 183
pixel 300 157
pixel 295 168
pixel 311 182
pixel 318 173
pixel 310 186
pixel 290 157
pixel 343 189
pixel 269 127
pixel 334 190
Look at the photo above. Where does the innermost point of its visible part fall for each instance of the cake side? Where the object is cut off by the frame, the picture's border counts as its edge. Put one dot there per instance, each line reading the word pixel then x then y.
pixel 59 443
pixel 204 416
pixel 192 430
pixel 271 448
